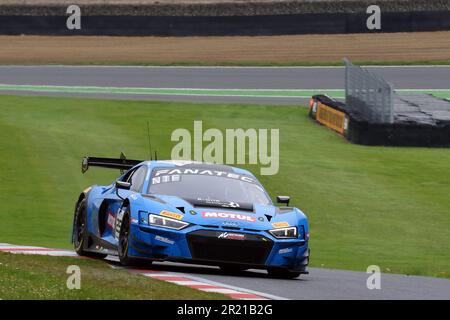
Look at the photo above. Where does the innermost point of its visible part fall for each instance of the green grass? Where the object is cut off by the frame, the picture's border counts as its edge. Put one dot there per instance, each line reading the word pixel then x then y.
pixel 289 93
pixel 45 277
pixel 367 205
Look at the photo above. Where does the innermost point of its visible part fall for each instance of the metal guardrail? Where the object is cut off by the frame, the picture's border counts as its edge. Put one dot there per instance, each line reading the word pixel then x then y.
pixel 369 94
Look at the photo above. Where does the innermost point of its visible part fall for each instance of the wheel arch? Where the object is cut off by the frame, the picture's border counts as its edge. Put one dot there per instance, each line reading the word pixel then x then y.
pixel 135 204
pixel 83 195
pixel 126 202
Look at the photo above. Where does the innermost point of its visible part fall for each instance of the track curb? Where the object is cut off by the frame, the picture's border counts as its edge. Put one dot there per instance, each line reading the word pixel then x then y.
pixel 181 279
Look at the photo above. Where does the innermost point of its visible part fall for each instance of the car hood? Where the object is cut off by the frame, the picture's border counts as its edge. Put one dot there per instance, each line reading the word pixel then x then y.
pixel 224 214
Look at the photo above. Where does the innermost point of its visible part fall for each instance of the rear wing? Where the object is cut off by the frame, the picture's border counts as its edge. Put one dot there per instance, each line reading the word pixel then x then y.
pixel 121 163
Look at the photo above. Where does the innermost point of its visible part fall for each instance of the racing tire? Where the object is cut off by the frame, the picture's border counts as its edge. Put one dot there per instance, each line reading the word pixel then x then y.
pixel 80 232
pixel 124 240
pixel 280 273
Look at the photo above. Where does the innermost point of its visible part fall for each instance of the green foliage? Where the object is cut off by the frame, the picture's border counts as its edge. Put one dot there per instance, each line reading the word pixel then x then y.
pixel 367 205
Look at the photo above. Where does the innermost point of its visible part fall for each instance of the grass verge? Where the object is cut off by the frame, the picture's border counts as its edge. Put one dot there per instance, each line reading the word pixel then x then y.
pixel 367 205
pixel 45 277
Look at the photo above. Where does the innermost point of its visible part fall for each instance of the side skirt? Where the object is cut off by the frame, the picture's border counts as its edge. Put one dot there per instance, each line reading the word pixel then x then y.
pixel 97 245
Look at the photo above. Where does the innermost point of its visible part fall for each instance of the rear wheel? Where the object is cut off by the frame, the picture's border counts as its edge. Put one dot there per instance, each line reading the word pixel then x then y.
pixel 124 240
pixel 80 232
pixel 283 273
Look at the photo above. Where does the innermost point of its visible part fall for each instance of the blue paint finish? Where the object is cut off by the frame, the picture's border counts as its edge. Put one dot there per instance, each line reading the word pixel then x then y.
pixel 154 242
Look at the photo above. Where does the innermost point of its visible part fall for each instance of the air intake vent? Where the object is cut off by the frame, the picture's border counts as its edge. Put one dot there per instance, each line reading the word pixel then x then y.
pixel 209 226
pixel 208 245
pixel 181 209
pixel 231 228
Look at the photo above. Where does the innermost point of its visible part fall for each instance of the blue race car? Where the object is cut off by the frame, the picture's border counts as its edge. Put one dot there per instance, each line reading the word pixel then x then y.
pixel 190 212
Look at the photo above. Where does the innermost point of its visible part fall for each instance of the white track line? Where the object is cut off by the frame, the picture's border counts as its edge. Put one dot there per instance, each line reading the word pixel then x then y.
pixel 187 282
pixel 208 286
pixel 258 293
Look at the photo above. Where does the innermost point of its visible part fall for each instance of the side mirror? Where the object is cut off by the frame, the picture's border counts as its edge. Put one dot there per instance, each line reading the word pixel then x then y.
pixel 123 185
pixel 283 199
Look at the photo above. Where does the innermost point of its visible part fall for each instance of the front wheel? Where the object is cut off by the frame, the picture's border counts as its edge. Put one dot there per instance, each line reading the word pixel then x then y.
pixel 124 239
pixel 80 232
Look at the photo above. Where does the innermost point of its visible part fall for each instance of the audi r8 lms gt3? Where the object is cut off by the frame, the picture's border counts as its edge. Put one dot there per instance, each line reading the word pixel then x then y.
pixel 189 212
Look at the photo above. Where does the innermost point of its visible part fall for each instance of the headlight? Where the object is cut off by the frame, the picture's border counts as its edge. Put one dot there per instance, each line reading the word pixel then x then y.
pixel 156 220
pixel 284 233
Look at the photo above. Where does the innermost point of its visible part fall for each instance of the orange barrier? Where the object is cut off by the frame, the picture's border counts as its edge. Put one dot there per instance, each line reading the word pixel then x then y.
pixel 329 117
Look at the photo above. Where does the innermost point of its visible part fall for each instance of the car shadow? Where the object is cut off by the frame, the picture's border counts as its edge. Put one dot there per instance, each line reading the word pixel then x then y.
pixel 195 269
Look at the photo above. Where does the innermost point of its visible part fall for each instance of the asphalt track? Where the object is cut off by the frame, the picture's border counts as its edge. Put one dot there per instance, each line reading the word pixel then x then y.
pixel 320 283
pixel 150 80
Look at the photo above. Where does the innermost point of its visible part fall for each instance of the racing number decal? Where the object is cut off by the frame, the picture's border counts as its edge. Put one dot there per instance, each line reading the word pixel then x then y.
pixel 118 222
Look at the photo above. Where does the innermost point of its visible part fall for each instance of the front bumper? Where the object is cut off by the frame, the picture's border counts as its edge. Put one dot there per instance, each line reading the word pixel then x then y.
pixel 217 246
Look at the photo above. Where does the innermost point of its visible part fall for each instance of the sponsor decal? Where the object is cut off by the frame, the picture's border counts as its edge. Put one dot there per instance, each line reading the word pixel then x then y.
pixel 166 178
pixel 282 224
pixel 230 224
pixel 164 239
pixel 227 215
pixel 192 212
pixel 286 250
pixel 231 236
pixel 220 203
pixel 332 118
pixel 175 175
pixel 100 248
pixel 172 215
pixel 133 220
pixel 111 220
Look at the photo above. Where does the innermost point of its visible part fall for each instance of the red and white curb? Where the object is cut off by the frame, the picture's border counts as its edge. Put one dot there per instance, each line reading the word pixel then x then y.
pixel 198 283
pixel 181 279
pixel 6 247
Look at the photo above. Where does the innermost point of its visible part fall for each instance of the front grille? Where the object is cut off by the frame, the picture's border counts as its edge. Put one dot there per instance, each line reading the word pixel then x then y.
pixel 206 245
pixel 231 228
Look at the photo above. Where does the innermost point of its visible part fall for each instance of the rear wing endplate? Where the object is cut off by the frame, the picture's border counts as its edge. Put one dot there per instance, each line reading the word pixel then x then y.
pixel 121 163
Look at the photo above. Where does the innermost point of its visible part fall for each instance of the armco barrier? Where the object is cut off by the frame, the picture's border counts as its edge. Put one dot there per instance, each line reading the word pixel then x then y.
pixel 289 24
pixel 357 129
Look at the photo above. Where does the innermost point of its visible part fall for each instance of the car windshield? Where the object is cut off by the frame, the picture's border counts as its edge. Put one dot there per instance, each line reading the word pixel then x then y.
pixel 209 185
